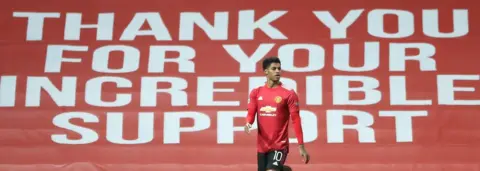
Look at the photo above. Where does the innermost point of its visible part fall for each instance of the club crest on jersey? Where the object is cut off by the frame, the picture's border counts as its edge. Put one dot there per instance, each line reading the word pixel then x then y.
pixel 278 99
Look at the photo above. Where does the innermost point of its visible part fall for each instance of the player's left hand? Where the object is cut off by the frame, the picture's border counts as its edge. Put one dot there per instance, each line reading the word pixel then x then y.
pixel 304 154
pixel 247 128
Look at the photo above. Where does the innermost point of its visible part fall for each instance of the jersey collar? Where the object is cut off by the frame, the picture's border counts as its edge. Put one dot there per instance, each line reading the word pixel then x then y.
pixel 279 85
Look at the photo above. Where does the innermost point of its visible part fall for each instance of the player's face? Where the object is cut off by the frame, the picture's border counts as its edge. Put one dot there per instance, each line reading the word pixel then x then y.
pixel 273 72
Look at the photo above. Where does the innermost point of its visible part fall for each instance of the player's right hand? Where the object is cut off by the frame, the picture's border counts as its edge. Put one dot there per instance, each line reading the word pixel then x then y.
pixel 247 128
pixel 303 153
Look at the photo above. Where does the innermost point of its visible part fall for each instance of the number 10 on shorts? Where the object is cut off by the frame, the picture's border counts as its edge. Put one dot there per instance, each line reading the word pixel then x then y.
pixel 278 156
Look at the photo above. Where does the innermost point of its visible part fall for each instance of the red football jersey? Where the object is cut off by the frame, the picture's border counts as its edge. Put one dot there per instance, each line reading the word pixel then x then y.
pixel 273 108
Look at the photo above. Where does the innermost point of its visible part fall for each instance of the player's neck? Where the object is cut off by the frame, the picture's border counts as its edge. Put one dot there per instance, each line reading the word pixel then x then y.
pixel 272 84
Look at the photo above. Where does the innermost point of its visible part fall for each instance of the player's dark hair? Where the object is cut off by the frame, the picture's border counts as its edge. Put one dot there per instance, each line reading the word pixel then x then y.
pixel 270 60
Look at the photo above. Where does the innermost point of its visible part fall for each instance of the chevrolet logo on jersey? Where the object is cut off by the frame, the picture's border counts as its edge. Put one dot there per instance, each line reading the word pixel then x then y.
pixel 268 111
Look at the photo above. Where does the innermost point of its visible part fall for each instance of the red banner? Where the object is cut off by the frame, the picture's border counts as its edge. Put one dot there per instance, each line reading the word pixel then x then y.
pixel 163 85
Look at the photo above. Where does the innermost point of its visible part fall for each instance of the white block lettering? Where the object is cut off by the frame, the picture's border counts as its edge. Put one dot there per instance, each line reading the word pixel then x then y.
pixel 247 25
pixel 35 23
pixel 403 123
pixel 398 56
pixel 101 58
pixel 376 25
pixel 93 92
pixel 62 97
pixel 206 91
pixel 398 93
pixel 115 128
pixel 217 31
pixel 8 89
pixel 172 128
pixel 335 126
pixel 63 121
pixel 154 20
pixel 156 63
pixel 226 127
pixel 248 64
pixel 54 59
pixel 431 25
pixel 316 57
pixel 309 122
pixel 74 24
pixel 342 89
pixel 341 57
pixel 314 90
pixel 338 30
pixel 150 90
pixel 446 89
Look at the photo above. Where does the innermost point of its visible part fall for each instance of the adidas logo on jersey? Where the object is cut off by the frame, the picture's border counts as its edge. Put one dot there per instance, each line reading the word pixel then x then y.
pixel 260 98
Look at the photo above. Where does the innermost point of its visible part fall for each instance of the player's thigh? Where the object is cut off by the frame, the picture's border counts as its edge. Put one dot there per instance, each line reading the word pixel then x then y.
pixel 276 159
pixel 262 161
